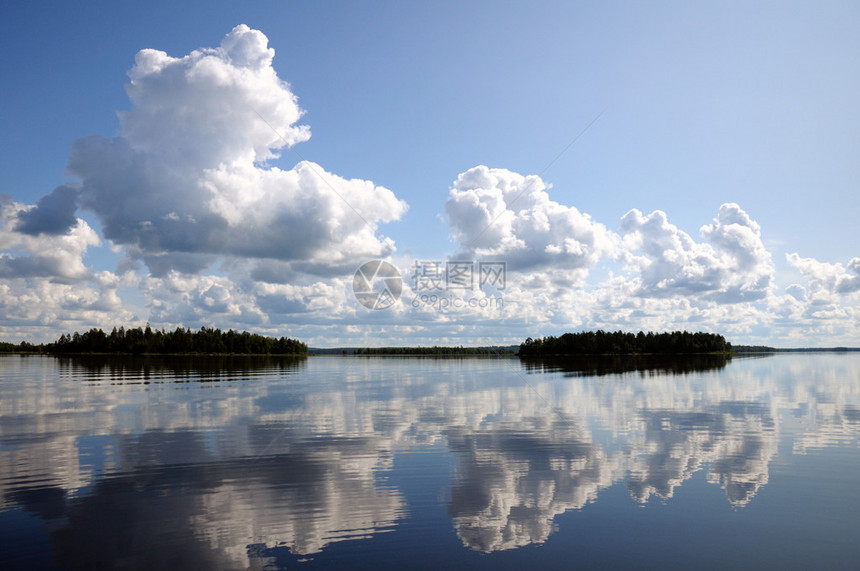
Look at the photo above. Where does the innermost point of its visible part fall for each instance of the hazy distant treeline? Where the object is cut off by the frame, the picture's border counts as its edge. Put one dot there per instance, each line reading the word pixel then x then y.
pixel 620 343
pixel 22 347
pixel 753 349
pixel 148 340
pixel 434 351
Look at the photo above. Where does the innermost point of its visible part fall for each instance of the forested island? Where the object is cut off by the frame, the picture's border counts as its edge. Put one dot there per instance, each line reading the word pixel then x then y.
pixel 146 340
pixel 619 343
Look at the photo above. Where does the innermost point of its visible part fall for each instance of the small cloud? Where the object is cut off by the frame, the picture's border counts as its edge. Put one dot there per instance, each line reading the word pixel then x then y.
pixel 53 214
pixel 850 282
pixel 796 291
pixel 57 257
pixel 826 277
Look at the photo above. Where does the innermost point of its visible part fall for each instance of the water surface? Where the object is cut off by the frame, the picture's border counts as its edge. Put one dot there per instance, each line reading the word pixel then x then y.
pixel 382 462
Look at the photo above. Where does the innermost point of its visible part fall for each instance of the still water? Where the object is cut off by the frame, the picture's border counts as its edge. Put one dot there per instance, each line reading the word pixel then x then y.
pixel 352 462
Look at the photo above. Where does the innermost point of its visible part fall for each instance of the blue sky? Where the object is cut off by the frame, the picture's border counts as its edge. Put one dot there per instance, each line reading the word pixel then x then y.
pixel 737 119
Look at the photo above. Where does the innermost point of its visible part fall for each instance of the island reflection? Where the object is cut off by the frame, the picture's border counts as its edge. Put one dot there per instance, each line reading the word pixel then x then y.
pixel 175 368
pixel 294 456
pixel 586 366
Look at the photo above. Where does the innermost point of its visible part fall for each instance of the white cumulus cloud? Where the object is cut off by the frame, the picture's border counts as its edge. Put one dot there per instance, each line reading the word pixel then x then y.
pixel 186 183
pixel 58 257
pixel 826 277
pixel 731 266
pixel 500 213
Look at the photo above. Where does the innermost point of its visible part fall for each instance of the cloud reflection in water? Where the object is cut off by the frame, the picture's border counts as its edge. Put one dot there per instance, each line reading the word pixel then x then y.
pixel 223 467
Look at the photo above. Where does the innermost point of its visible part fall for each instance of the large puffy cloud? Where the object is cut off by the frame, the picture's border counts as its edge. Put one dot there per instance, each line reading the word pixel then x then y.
pixel 499 213
pixel 732 266
pixel 205 108
pixel 184 185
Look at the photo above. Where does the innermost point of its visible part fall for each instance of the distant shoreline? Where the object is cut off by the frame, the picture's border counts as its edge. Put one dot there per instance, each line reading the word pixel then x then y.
pixel 354 352
pixel 511 352
pixel 742 350
pixel 438 351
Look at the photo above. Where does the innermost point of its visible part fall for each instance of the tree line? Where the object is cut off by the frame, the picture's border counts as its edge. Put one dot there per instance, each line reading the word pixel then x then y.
pixel 619 343
pixel 152 341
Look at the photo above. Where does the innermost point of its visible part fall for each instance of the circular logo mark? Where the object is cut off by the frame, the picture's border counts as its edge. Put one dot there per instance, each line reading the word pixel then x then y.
pixel 377 285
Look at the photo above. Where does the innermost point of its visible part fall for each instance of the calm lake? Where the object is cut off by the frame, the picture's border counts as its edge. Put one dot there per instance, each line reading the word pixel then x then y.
pixel 350 462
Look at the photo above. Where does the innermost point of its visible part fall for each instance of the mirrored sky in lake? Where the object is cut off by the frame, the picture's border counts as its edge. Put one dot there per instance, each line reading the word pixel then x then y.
pixel 370 462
